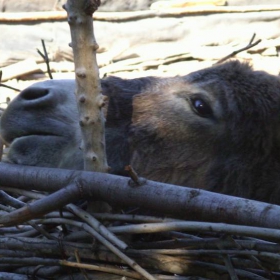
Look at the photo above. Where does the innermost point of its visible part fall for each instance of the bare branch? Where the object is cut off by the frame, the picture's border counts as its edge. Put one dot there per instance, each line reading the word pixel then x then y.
pixel 234 53
pixel 9 87
pixel 96 225
pixel 200 227
pixel 106 243
pixel 43 206
pixel 46 58
pixel 108 269
pixel 88 91
pixel 179 202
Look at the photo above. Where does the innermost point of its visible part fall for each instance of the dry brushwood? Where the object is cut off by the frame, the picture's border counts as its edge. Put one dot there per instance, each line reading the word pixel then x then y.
pixel 73 241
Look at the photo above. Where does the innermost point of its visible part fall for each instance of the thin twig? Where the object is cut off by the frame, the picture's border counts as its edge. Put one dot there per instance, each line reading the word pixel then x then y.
pixel 13 202
pixel 230 268
pixel 252 39
pixel 96 225
pixel 208 243
pixel 253 258
pixel 266 233
pixel 48 261
pixel 228 264
pixel 182 252
pixel 132 173
pixel 30 194
pixel 234 53
pixel 132 218
pixel 106 243
pixel 46 58
pixel 107 269
pixel 121 217
pixel 41 54
pixel 11 230
pixel 80 213
pixel 9 87
pixel 78 259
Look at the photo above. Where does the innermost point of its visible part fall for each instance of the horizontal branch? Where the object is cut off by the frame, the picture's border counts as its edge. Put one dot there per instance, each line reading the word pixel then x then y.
pixel 135 15
pixel 176 201
pixel 265 233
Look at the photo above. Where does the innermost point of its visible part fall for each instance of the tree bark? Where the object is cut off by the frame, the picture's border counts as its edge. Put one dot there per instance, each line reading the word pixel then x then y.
pixel 90 101
pixel 88 88
pixel 176 201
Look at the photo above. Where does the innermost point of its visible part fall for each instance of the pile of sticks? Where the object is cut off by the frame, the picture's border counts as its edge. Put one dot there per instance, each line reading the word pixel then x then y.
pixel 38 241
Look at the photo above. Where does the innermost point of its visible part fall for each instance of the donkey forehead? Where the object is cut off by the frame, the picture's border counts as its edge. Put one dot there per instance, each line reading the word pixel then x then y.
pixel 243 90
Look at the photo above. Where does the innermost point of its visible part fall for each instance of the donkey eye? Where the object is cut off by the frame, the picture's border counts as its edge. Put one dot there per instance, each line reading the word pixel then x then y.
pixel 201 107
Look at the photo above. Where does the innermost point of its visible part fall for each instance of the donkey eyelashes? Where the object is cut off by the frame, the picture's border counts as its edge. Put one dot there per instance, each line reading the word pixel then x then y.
pixel 199 103
pixel 201 107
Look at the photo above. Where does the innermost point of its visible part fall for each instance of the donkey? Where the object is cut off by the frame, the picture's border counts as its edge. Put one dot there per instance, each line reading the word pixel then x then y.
pixel 216 129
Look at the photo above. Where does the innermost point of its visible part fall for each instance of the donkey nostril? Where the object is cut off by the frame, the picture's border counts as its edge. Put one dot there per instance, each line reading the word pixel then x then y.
pixel 34 93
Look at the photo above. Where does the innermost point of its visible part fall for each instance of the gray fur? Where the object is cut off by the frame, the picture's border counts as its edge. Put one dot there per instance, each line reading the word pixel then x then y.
pixel 152 124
